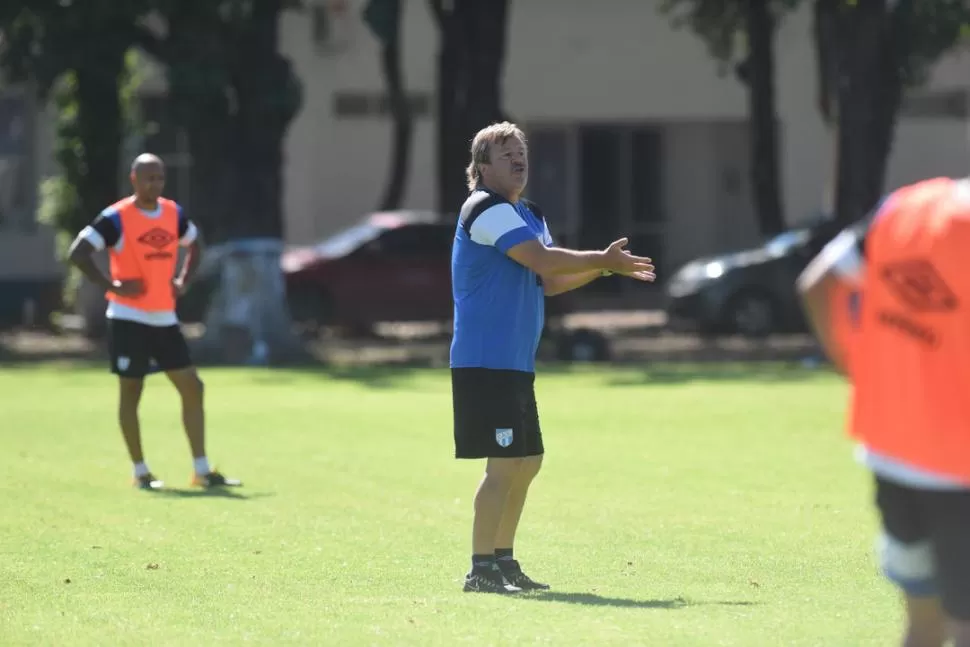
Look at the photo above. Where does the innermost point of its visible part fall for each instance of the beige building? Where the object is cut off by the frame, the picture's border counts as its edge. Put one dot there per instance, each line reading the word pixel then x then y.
pixel 632 129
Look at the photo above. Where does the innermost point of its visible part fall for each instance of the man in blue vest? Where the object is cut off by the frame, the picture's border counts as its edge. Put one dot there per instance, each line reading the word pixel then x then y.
pixel 503 266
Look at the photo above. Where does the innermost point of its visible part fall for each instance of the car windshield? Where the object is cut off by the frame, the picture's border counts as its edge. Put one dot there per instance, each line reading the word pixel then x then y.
pixel 785 241
pixel 348 240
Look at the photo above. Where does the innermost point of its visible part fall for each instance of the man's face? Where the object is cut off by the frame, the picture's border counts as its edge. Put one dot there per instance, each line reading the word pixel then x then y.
pixel 508 166
pixel 149 181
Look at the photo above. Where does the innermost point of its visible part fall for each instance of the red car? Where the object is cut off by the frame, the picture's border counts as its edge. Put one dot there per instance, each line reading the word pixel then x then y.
pixel 391 266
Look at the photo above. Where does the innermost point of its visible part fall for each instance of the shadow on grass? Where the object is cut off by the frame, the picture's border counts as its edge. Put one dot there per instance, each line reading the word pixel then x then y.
pixel 10 359
pixel 618 375
pixel 375 376
pixel 720 372
pixel 396 376
pixel 214 493
pixel 592 599
pixel 634 370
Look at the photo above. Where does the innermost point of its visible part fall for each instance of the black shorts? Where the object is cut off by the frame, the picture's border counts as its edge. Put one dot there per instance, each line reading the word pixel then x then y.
pixel 926 547
pixel 133 347
pixel 495 413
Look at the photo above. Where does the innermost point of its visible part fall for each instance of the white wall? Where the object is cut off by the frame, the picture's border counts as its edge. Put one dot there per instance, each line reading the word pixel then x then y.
pixel 608 61
pixel 602 61
pixel 28 255
pixel 570 60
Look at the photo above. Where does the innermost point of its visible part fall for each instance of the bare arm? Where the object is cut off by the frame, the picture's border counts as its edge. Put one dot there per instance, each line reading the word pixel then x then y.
pixel 817 299
pixel 81 255
pixel 561 284
pixel 193 259
pixel 556 261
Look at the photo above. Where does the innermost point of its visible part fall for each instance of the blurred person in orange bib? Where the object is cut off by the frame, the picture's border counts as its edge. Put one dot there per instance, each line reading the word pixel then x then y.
pixel 889 300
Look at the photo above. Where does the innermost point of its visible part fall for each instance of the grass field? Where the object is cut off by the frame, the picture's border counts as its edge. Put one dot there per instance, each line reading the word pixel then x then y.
pixel 676 507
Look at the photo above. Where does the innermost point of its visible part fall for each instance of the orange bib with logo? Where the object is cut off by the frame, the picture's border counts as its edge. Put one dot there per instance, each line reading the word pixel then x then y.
pixel 148 252
pixel 911 355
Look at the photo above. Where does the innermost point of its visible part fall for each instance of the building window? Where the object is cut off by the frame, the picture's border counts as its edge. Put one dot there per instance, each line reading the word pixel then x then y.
pixel 16 204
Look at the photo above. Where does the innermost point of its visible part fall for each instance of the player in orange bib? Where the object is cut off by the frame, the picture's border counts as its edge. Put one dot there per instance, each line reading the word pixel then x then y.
pixel 142 234
pixel 890 301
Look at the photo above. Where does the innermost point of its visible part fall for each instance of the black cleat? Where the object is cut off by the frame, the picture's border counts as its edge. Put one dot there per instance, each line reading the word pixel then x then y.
pixel 488 582
pixel 147 482
pixel 214 479
pixel 513 575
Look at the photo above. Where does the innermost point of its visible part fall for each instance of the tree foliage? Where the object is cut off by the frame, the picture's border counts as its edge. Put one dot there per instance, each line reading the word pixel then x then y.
pixel 75 54
pixel 235 95
pixel 721 24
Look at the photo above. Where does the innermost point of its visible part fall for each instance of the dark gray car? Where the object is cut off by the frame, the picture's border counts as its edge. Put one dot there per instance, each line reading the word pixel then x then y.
pixel 750 292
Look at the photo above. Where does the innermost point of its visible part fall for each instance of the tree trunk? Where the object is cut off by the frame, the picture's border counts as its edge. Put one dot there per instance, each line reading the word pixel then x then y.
pixel 401 118
pixel 209 186
pixel 471 60
pixel 452 149
pixel 828 43
pixel 763 125
pixel 860 53
pixel 201 99
pixel 100 128
pixel 250 311
pixel 869 97
pixel 484 29
pixel 825 32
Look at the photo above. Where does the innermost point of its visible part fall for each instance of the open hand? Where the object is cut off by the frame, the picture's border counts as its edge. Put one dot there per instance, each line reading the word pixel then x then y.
pixel 643 275
pixel 127 288
pixel 620 261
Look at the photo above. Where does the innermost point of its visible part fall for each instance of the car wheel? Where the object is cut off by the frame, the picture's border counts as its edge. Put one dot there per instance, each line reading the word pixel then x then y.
pixel 583 346
pixel 752 314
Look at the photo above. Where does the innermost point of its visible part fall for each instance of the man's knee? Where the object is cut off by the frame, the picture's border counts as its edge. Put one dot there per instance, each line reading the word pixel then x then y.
pixel 502 472
pixel 530 467
pixel 130 390
pixel 188 383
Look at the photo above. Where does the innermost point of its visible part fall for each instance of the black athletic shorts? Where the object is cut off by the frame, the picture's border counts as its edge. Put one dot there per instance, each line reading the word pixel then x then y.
pixel 926 547
pixel 133 346
pixel 495 413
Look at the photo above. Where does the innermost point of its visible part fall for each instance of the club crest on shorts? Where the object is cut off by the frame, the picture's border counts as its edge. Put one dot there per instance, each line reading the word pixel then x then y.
pixel 123 363
pixel 503 437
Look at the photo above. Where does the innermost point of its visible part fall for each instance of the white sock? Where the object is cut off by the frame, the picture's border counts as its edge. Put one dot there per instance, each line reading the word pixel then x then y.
pixel 141 469
pixel 201 465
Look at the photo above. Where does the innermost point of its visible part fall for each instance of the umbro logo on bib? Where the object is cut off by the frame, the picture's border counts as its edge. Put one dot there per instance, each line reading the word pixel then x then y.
pixel 503 437
pixel 157 238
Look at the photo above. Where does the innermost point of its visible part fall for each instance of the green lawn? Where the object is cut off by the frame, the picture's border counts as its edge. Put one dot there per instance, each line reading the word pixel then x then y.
pixel 676 507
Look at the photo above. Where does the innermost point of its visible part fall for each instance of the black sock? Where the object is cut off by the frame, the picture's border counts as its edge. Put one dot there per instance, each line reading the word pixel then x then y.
pixel 482 563
pixel 503 555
